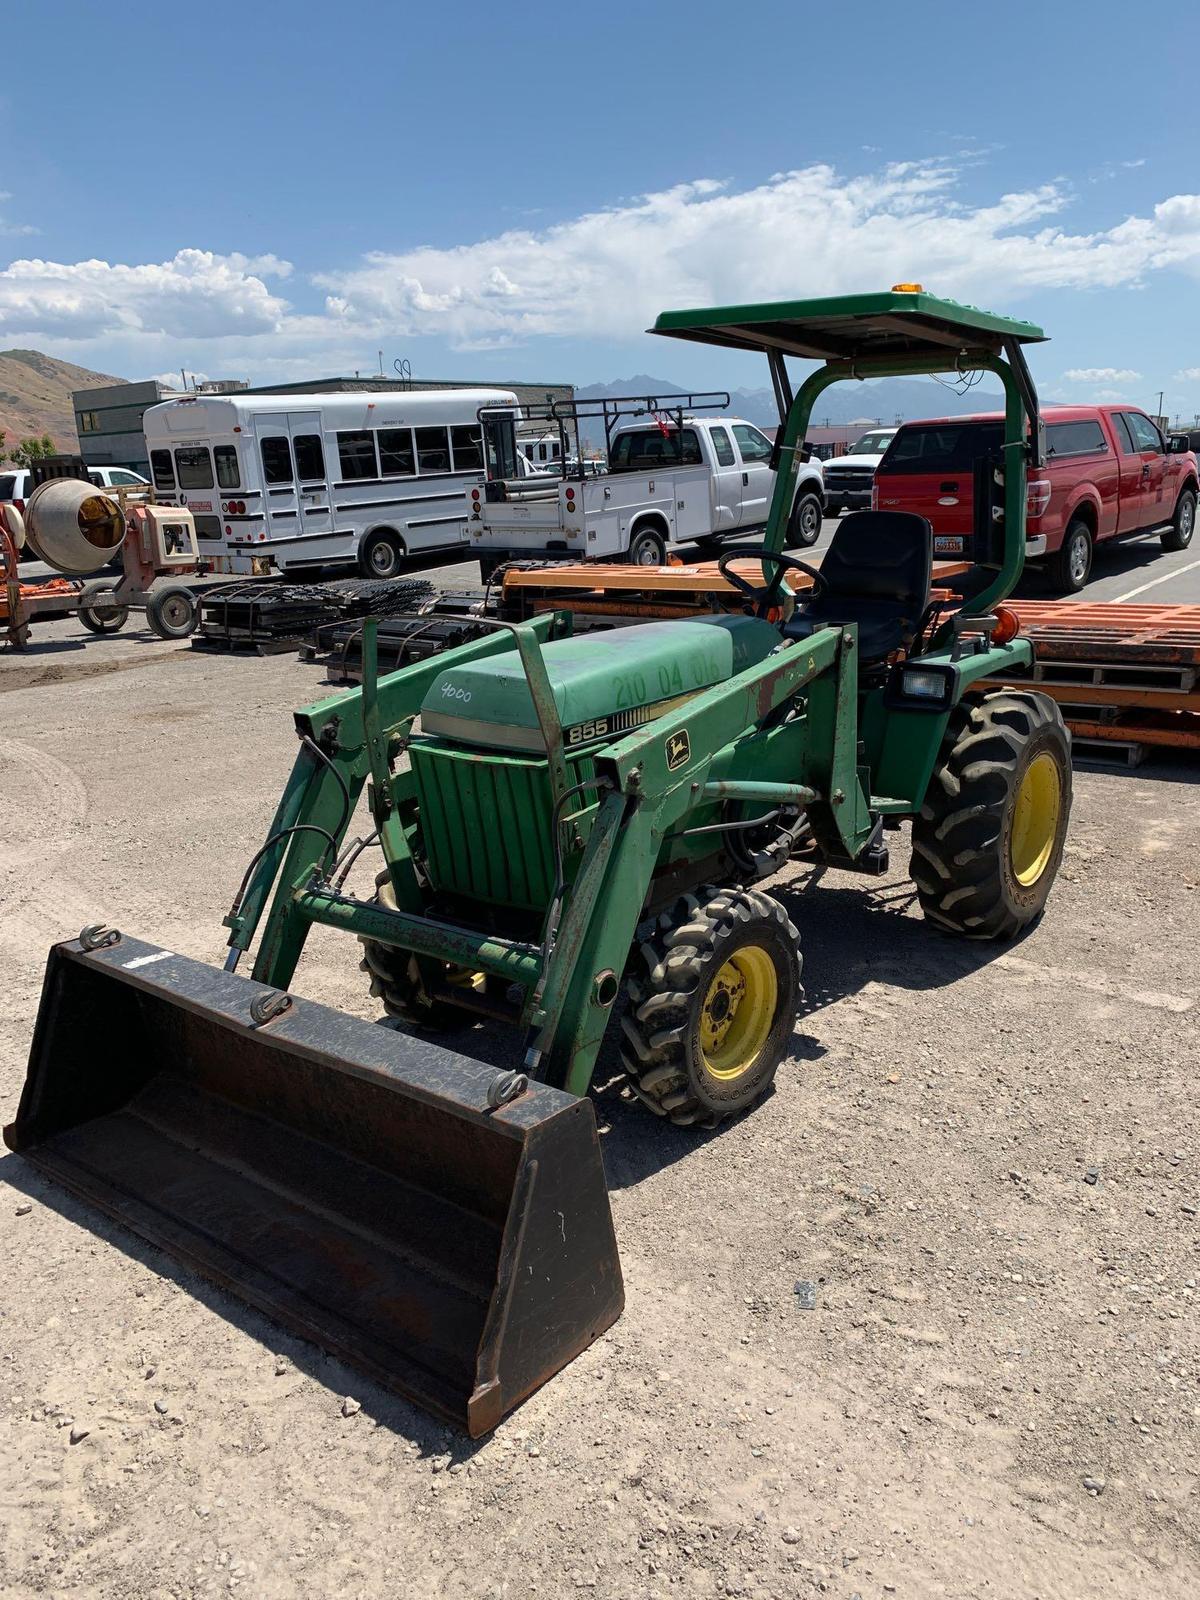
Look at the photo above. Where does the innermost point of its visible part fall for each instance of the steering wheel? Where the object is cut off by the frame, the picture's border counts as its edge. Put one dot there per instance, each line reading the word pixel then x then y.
pixel 765 598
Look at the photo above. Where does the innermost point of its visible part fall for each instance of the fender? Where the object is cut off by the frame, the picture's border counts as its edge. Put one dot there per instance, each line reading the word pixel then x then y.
pixel 1080 495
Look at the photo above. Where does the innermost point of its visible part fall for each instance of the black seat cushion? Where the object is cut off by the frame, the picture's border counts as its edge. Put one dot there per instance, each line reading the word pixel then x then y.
pixel 877 572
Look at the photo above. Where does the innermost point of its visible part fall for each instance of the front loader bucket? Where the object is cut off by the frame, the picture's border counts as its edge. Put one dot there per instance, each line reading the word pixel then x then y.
pixel 349 1181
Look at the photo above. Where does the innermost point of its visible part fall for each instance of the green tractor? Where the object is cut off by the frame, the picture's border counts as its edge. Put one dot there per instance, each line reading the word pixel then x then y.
pixel 565 821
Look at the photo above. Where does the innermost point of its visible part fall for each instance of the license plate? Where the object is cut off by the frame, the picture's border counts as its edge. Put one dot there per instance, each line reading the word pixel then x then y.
pixel 948 544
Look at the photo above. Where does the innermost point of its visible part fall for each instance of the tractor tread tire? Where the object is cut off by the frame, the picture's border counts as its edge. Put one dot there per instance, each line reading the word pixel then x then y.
pixel 674 954
pixel 960 835
pixel 394 979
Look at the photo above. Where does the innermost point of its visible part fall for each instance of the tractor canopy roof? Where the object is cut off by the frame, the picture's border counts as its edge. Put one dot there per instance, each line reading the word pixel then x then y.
pixel 903 324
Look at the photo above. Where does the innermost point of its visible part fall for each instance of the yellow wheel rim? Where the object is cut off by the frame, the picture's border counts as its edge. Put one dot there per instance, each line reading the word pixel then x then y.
pixel 464 978
pixel 738 1013
pixel 1035 819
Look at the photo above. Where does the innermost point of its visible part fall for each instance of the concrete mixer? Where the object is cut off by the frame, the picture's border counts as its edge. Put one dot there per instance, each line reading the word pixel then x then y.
pixel 78 529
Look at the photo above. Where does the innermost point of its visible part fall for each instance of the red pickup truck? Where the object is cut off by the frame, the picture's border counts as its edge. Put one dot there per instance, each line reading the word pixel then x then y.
pixel 1108 474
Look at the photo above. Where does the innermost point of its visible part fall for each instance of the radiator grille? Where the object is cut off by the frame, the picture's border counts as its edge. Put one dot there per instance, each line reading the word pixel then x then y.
pixel 485 822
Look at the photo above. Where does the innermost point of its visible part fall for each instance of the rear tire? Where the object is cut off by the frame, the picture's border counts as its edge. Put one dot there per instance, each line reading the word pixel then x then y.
pixel 1183 524
pixel 804 527
pixel 647 548
pixel 1071 565
pixel 171 613
pixel 396 978
pixel 713 991
pixel 988 841
pixel 380 555
pixel 100 618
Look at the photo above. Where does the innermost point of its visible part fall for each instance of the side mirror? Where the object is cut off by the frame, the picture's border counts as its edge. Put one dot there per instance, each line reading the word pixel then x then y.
pixel 1178 445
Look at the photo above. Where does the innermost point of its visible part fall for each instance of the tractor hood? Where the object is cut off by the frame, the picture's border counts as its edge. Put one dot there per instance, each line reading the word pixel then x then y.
pixel 604 684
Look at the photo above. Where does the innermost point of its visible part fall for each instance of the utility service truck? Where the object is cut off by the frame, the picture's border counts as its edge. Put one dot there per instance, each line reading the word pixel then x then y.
pixel 672 476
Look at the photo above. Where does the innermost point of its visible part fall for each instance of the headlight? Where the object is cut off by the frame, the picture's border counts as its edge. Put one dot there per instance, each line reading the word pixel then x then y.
pixel 915 686
pixel 923 685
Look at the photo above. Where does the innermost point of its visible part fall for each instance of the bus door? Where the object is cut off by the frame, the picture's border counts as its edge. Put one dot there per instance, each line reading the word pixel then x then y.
pixel 314 491
pixel 295 489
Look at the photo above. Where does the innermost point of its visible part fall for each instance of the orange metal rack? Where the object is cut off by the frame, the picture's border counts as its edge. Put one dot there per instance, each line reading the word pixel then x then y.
pixel 1126 676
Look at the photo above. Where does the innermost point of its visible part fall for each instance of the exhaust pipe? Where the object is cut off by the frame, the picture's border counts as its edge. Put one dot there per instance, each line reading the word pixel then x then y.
pixel 441 1226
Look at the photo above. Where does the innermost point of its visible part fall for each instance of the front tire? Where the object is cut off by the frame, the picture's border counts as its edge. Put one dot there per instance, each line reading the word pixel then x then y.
pixel 1183 524
pixel 395 978
pixel 804 528
pixel 380 555
pixel 713 993
pixel 1071 565
pixel 647 548
pixel 988 841
pixel 833 508
pixel 171 613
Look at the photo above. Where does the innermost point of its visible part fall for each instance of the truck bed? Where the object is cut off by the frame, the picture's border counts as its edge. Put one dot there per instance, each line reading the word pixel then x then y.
pixel 535 515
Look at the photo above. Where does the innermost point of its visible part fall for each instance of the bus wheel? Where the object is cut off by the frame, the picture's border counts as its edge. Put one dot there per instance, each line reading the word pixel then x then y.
pixel 380 555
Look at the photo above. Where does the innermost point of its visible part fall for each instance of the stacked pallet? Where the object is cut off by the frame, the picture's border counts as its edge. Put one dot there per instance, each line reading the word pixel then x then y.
pixel 272 615
pixel 1126 676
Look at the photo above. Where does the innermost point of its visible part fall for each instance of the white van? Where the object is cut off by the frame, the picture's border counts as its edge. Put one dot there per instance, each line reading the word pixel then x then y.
pixel 306 480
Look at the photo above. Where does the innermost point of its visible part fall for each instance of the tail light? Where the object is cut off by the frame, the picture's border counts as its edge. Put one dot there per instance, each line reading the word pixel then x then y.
pixel 20 505
pixel 874 497
pixel 1037 497
pixel 474 494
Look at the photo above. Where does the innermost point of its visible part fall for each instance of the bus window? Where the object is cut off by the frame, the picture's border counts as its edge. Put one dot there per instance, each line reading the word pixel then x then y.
pixel 396 457
pixel 468 449
pixel 433 450
pixel 225 455
pixel 310 457
pixel 276 459
pixel 194 467
pixel 356 454
pixel 161 469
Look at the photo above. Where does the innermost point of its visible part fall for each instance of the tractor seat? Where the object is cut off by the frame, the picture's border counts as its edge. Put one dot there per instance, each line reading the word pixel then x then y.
pixel 878 569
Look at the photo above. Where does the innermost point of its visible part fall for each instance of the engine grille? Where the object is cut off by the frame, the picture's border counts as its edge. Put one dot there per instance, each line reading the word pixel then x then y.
pixel 485 822
pixel 852 478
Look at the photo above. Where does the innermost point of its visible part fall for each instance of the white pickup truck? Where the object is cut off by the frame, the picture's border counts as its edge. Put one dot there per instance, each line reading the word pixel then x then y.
pixel 849 478
pixel 696 481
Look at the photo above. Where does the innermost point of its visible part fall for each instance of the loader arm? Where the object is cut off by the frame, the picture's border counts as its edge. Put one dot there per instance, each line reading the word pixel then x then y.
pixel 335 761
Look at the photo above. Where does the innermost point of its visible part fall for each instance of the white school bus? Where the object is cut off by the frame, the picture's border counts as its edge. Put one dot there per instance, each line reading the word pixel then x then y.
pixel 308 480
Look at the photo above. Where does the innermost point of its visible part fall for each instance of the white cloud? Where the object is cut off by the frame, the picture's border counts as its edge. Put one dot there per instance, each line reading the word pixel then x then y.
pixel 604 274
pixel 1101 375
pixel 1188 375
pixel 195 295
pixel 811 231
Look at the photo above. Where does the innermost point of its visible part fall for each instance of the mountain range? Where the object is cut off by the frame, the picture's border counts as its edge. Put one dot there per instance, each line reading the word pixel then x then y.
pixel 35 397
pixel 886 401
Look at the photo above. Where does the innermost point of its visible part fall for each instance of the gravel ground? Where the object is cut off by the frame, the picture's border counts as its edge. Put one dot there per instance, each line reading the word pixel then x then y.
pixel 980 1166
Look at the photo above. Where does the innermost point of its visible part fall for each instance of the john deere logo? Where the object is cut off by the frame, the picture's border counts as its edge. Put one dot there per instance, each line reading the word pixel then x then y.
pixel 679 750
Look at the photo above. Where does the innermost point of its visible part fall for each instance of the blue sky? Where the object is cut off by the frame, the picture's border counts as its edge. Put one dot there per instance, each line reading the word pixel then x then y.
pixel 281 190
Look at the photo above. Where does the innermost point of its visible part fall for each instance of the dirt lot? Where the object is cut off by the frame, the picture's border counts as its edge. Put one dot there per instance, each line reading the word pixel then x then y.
pixel 985 1159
